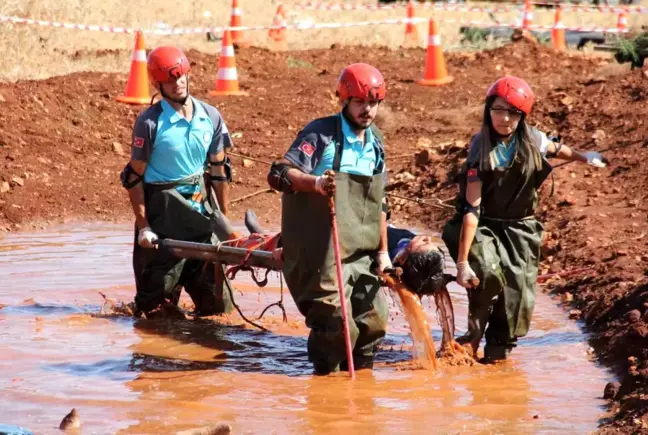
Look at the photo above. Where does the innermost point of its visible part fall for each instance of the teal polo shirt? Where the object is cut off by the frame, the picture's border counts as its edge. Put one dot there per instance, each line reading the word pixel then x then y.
pixel 180 147
pixel 176 149
pixel 358 157
pixel 313 152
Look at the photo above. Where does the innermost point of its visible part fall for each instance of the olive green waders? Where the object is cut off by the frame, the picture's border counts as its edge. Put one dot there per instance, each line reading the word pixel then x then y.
pixel 309 269
pixel 158 274
pixel 504 255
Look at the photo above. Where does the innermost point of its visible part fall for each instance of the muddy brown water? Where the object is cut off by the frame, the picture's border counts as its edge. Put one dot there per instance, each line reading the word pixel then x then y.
pixel 144 377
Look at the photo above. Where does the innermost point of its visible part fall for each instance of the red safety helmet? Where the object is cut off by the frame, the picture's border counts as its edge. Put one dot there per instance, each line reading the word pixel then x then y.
pixel 514 91
pixel 167 64
pixel 360 80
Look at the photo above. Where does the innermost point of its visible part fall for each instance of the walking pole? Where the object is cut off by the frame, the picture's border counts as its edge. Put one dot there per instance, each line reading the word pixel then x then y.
pixel 338 268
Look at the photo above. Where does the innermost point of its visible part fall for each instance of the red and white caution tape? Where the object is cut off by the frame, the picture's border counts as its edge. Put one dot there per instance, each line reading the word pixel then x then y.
pixel 458 7
pixel 582 29
pixel 551 27
pixel 595 8
pixel 29 21
pixel 323 6
pixel 183 31
pixel 295 26
pixel 304 25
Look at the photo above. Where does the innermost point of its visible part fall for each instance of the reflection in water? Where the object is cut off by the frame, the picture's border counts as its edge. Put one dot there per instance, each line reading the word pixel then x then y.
pixel 151 376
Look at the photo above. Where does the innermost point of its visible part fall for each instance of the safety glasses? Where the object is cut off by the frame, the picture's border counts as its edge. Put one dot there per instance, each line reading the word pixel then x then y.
pixel 503 111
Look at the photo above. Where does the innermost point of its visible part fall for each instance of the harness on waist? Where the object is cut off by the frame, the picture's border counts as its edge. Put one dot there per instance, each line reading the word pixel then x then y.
pixel 190 188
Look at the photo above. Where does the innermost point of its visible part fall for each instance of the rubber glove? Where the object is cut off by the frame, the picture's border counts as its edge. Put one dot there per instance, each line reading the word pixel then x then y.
pixel 146 237
pixel 384 262
pixel 595 159
pixel 466 277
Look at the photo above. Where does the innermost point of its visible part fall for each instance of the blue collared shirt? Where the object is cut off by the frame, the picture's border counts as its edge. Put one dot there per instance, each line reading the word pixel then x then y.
pixel 181 146
pixel 176 149
pixel 358 157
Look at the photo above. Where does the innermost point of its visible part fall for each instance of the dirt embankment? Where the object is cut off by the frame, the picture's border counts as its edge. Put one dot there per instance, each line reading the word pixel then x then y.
pixel 64 141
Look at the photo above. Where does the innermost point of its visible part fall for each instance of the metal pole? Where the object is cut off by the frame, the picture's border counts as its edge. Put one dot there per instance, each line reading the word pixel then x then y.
pixel 340 276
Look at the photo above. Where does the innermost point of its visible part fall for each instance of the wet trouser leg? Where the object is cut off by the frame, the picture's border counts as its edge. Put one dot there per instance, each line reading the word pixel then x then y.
pixel 499 337
pixel 370 312
pixel 159 276
pixel 204 281
pixel 484 259
pixel 511 317
pixel 156 276
pixel 367 310
pixel 504 255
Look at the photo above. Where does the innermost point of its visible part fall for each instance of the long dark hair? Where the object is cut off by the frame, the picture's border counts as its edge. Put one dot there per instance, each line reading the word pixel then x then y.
pixel 423 272
pixel 526 151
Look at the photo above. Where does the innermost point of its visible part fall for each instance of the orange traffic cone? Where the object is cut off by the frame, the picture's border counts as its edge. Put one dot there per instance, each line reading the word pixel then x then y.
pixel 527 18
pixel 137 86
pixel 622 23
pixel 558 32
pixel 227 81
pixel 278 35
pixel 435 67
pixel 237 21
pixel 411 33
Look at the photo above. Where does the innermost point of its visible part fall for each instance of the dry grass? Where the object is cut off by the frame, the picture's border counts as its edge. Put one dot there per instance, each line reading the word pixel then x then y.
pixel 33 52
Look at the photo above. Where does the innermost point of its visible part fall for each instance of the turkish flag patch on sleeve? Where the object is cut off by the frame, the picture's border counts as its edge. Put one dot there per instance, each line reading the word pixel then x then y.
pixel 138 142
pixel 472 175
pixel 306 148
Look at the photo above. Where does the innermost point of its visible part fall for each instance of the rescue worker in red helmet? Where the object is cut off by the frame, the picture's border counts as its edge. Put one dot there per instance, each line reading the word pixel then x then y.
pixel 174 142
pixel 494 237
pixel 344 154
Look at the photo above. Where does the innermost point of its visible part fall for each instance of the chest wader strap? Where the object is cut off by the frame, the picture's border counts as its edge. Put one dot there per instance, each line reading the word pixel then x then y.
pixel 339 144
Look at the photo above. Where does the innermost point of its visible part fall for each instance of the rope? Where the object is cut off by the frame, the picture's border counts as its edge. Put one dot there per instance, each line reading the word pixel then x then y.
pixel 440 205
pixel 249 158
pixel 278 304
pixel 229 288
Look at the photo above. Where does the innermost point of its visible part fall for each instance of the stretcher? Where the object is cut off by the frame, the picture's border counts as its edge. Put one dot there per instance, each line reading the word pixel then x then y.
pixel 255 251
pixel 259 251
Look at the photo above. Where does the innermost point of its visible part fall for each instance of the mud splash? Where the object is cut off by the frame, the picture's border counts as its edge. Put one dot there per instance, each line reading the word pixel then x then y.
pixel 423 350
pixel 147 376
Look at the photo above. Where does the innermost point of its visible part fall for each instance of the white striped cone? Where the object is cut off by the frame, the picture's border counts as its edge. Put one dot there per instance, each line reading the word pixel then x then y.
pixel 137 86
pixel 227 79
pixel 237 21
pixel 435 73
pixel 622 22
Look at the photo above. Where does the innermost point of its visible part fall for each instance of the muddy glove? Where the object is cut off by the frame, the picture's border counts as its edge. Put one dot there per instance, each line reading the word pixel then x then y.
pixel 595 159
pixel 146 237
pixel 325 183
pixel 466 277
pixel 384 262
